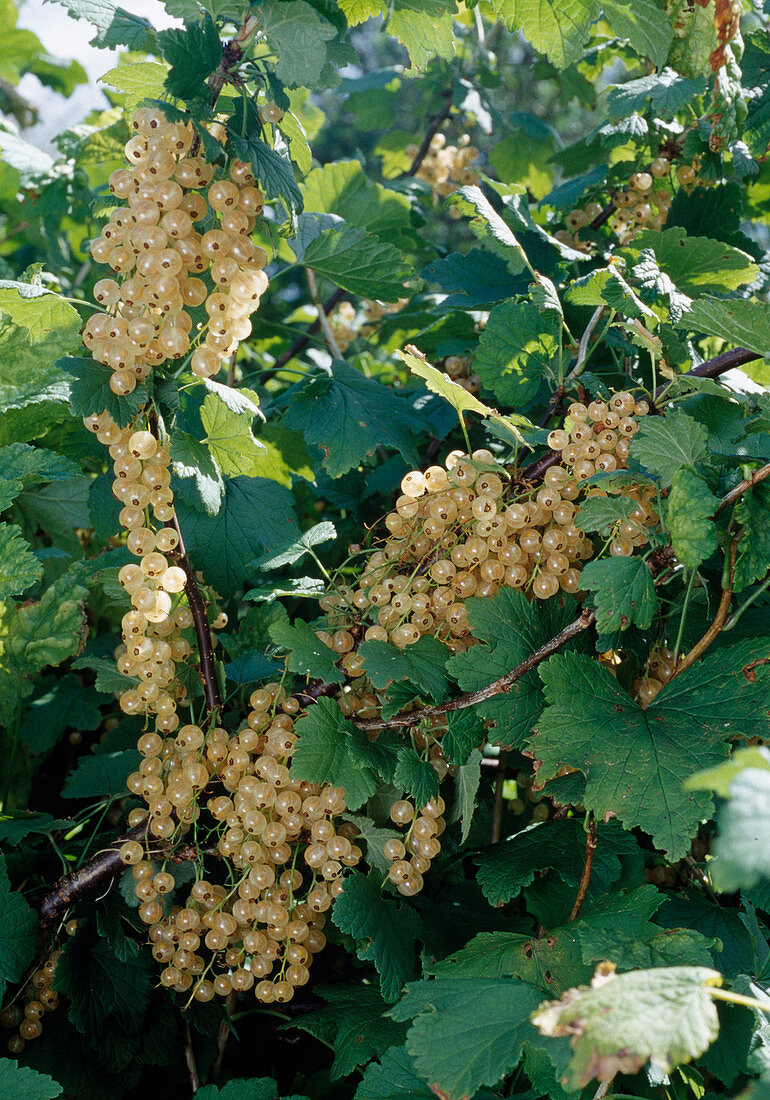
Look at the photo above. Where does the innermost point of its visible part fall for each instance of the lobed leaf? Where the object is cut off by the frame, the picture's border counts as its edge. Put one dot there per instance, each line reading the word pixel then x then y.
pixel 665 1016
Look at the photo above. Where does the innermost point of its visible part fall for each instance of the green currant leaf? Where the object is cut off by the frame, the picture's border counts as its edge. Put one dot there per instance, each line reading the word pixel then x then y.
pixel 695 264
pixel 353 1023
pixel 505 869
pixel 330 749
pixel 39 634
pixel 229 437
pixel 102 775
pixel 667 92
pixel 557 28
pixel 740 853
pixel 464 733
pixel 467 781
pixel 415 776
pixel 19 568
pixel 307 654
pixel 138 81
pixel 752 511
pixel 740 322
pixel 33 307
pixel 64 703
pixel 476 277
pixel 423 664
pixel 601 514
pixel 635 766
pixel 272 169
pixel 18 931
pixel 357 261
pixel 511 628
pixel 385 931
pixel 645 26
pixel 348 416
pixel 516 351
pixel 35 464
pixel 298 35
pixel 90 391
pixel 394 1078
pixel 22 1083
pixel 115 26
pixel 193 53
pixel 663 445
pixel 256 517
pixel 624 592
pixel 688 514
pixel 458 1052
pixel 343 188
pixel 195 460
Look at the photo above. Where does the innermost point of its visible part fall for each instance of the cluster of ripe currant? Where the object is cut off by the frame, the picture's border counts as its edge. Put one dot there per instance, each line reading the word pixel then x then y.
pixel 446 167
pixel 640 205
pixel 39 997
pixel 153 246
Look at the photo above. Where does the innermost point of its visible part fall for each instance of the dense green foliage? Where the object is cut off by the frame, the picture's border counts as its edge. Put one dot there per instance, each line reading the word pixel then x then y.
pixel 530 231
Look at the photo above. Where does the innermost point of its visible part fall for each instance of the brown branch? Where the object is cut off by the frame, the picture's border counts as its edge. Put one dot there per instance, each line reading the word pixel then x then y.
pixel 189 1058
pixel 323 319
pixel 223 1034
pixel 302 341
pixel 92 878
pixel 712 368
pixel 720 618
pixel 603 216
pixel 497 687
pixel 582 356
pixel 201 623
pixel 585 878
pixel 436 122
pixel 232 52
pixel 743 487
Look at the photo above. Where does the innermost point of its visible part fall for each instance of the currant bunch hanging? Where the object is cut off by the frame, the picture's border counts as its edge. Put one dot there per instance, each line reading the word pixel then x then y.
pixel 165 267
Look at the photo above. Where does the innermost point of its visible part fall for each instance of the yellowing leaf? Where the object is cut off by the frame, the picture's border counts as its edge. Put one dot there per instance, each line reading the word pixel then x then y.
pixel 664 1016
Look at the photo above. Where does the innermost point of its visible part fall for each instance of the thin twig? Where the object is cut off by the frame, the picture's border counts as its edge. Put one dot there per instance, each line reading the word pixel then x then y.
pixel 497 687
pixel 720 618
pixel 323 320
pixel 436 122
pixel 302 341
pixel 232 52
pixel 603 216
pixel 225 1028
pixel 201 623
pixel 497 813
pixel 743 487
pixel 189 1057
pixel 585 877
pixel 582 356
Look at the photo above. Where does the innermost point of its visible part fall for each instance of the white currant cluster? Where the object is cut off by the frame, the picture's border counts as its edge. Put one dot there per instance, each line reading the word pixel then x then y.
pixel 165 267
pixel 39 997
pixel 262 929
pixel 447 167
